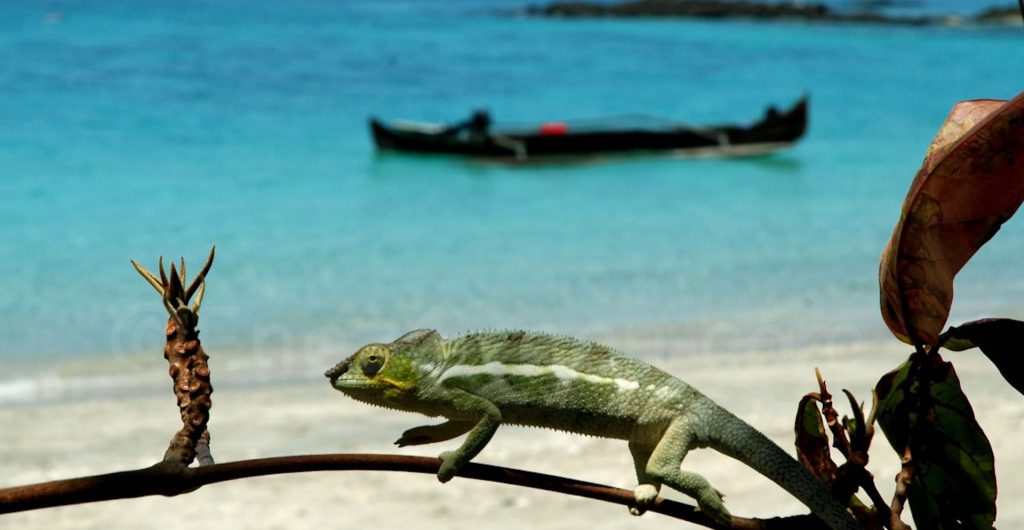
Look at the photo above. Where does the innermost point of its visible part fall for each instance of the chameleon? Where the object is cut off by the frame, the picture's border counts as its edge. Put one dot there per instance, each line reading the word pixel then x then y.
pixel 479 381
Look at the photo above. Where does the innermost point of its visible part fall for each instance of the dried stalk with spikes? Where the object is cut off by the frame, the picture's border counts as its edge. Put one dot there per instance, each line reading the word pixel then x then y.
pixel 188 362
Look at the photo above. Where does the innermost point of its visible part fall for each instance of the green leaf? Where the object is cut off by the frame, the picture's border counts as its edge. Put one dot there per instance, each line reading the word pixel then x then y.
pixel 811 441
pixel 921 406
pixel 1000 339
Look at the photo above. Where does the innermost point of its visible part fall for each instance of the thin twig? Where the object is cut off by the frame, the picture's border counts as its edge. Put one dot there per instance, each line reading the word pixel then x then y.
pixel 149 277
pixel 899 497
pixel 203 455
pixel 839 439
pixel 171 479
pixel 198 280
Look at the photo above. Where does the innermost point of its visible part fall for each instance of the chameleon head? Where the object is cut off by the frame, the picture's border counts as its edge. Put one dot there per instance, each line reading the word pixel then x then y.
pixel 365 374
pixel 384 374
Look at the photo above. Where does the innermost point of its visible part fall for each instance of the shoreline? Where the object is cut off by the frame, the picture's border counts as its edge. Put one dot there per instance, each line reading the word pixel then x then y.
pixel 55 380
pixel 74 438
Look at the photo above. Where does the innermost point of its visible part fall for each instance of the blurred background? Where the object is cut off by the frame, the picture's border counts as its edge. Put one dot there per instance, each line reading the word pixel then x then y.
pixel 134 130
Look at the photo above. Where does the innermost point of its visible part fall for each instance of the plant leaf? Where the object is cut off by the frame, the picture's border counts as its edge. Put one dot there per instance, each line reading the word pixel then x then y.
pixel 1000 339
pixel 971 182
pixel 921 406
pixel 811 440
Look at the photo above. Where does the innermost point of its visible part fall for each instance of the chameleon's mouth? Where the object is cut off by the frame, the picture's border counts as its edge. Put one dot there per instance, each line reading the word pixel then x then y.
pixel 338 370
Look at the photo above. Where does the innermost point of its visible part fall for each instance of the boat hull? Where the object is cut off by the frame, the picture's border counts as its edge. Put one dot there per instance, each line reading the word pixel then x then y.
pixel 776 131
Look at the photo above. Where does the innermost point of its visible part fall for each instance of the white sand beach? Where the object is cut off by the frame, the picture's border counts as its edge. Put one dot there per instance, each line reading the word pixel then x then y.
pixel 45 442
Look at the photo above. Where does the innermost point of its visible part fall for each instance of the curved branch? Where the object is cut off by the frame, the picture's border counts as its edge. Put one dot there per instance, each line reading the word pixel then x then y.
pixel 170 478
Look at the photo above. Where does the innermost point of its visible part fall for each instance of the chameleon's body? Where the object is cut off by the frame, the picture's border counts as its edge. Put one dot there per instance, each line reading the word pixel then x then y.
pixel 482 380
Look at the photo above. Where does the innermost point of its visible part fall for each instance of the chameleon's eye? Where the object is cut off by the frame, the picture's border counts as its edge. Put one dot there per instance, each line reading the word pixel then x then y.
pixel 372 364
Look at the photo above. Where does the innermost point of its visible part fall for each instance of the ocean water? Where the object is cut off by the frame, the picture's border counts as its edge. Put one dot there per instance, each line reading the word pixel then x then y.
pixel 134 130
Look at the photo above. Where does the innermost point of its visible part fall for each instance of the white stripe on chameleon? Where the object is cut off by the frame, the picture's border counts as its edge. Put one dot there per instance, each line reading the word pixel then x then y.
pixel 531 370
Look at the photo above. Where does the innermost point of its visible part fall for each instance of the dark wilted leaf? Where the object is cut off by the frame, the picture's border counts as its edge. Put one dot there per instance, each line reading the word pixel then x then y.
pixel 972 181
pixel 857 426
pixel 811 441
pixel 921 406
pixel 1000 339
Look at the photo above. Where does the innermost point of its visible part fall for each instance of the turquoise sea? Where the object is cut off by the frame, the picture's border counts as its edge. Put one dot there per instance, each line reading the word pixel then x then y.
pixel 132 130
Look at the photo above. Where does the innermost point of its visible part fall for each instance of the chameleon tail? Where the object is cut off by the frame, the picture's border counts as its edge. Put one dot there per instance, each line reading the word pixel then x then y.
pixel 734 437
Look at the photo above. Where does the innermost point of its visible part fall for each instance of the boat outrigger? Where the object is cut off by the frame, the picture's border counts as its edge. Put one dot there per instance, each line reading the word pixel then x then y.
pixel 477 137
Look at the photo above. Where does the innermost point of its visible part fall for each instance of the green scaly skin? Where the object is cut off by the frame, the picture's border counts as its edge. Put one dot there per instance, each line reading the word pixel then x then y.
pixel 481 380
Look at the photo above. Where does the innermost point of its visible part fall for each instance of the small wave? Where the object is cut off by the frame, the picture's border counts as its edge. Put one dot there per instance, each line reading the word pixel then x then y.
pixel 16 391
pixel 132 376
pixel 54 389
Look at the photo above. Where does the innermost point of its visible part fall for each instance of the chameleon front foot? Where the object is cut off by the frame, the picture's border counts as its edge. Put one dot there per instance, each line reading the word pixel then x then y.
pixel 450 465
pixel 644 495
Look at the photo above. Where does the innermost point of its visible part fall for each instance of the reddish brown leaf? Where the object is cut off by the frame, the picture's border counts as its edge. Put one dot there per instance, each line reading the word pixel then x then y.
pixel 811 440
pixel 972 180
pixel 1000 339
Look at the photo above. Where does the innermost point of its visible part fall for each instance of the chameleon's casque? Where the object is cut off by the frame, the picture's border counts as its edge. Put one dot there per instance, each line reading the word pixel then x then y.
pixel 481 380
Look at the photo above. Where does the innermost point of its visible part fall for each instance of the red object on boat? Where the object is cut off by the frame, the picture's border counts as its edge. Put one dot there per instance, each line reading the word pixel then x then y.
pixel 554 128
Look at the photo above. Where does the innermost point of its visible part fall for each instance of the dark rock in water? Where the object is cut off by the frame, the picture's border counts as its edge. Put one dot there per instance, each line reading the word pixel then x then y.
pixel 881 4
pixel 1009 16
pixel 714 9
pixel 685 8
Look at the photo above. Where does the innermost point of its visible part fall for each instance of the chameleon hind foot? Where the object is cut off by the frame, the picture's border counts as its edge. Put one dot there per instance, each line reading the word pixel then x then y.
pixel 710 503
